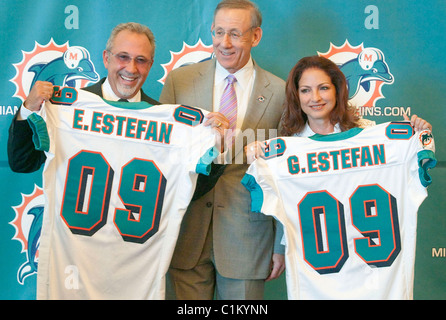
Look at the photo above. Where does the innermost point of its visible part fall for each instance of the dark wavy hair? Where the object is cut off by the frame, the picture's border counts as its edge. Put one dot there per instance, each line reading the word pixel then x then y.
pixel 294 119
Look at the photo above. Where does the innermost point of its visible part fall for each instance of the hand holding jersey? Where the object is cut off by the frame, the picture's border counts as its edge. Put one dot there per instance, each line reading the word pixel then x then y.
pixel 40 92
pixel 219 123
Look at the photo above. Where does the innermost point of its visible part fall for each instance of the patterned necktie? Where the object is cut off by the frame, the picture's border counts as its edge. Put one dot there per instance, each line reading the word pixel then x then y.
pixel 228 105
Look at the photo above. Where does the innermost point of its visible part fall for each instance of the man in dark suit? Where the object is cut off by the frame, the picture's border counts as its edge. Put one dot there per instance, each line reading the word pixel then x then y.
pixel 128 57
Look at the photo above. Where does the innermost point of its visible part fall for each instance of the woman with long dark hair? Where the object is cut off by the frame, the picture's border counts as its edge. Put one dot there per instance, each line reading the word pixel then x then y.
pixel 317 96
pixel 317 102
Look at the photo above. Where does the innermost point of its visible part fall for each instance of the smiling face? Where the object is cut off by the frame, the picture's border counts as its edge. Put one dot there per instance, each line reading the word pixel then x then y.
pixel 317 96
pixel 234 54
pixel 127 77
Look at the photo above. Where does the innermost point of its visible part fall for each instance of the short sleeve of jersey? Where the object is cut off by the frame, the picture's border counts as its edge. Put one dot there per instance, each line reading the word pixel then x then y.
pixel 424 143
pixel 265 194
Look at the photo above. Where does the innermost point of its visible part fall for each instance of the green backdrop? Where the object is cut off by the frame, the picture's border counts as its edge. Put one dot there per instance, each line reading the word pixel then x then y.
pixel 407 37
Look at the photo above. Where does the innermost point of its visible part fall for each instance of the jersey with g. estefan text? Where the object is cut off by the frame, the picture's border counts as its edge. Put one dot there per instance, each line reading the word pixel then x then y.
pixel 348 203
pixel 117 181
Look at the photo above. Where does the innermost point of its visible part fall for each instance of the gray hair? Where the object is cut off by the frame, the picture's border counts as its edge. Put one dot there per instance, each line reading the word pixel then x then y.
pixel 256 15
pixel 133 27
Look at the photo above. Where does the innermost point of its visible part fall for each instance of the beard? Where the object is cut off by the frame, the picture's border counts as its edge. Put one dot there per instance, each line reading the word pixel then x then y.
pixel 127 91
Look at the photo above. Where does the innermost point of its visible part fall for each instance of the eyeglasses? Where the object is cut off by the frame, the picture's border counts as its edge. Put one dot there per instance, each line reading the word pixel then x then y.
pixel 235 35
pixel 124 58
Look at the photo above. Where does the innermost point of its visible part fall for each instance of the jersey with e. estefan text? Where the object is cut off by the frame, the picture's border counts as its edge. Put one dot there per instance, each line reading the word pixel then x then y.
pixel 117 181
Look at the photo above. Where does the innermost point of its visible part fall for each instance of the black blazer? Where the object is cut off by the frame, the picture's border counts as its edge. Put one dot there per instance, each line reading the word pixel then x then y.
pixel 22 156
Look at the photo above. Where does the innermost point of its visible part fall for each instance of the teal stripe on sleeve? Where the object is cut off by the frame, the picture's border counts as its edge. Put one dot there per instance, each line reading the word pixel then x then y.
pixel 41 138
pixel 204 165
pixel 426 161
pixel 255 190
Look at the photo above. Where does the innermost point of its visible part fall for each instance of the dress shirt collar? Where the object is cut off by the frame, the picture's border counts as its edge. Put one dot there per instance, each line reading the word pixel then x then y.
pixel 244 75
pixel 307 132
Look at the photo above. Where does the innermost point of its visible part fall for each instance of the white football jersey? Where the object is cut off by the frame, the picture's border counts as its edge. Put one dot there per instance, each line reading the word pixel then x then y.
pixel 348 203
pixel 117 181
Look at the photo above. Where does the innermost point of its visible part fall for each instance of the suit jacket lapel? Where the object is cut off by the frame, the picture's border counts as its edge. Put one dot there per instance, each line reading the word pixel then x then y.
pixel 204 85
pixel 258 102
pixel 96 88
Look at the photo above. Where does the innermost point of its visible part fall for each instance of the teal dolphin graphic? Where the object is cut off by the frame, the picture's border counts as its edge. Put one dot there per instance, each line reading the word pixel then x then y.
pixel 30 266
pixel 368 66
pixel 74 64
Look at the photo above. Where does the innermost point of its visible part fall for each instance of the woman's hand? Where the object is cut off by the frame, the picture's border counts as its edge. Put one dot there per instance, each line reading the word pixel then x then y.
pixel 418 123
pixel 254 150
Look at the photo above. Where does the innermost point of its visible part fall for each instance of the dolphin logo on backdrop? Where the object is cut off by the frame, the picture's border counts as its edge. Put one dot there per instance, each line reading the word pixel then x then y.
pixel 28 226
pixel 187 55
pixel 30 266
pixel 365 69
pixel 61 65
pixel 368 66
pixel 74 64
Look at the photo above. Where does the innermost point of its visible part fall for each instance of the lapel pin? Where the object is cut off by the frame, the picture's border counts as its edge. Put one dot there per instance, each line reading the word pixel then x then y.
pixel 261 98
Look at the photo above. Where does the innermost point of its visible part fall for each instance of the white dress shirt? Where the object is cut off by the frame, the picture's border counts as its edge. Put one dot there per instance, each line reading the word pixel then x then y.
pixel 307 132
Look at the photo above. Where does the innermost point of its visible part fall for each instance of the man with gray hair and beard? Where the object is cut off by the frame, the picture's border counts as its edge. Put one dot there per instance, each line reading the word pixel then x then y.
pixel 128 58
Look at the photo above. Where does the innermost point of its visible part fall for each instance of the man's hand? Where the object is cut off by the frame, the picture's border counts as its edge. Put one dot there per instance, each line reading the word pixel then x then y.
pixel 277 266
pixel 220 123
pixel 254 150
pixel 40 92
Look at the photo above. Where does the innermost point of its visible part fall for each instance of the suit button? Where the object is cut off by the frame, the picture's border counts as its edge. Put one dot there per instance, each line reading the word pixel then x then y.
pixel 209 204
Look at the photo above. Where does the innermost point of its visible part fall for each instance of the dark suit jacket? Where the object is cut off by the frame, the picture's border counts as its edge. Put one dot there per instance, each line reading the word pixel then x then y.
pixel 22 155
